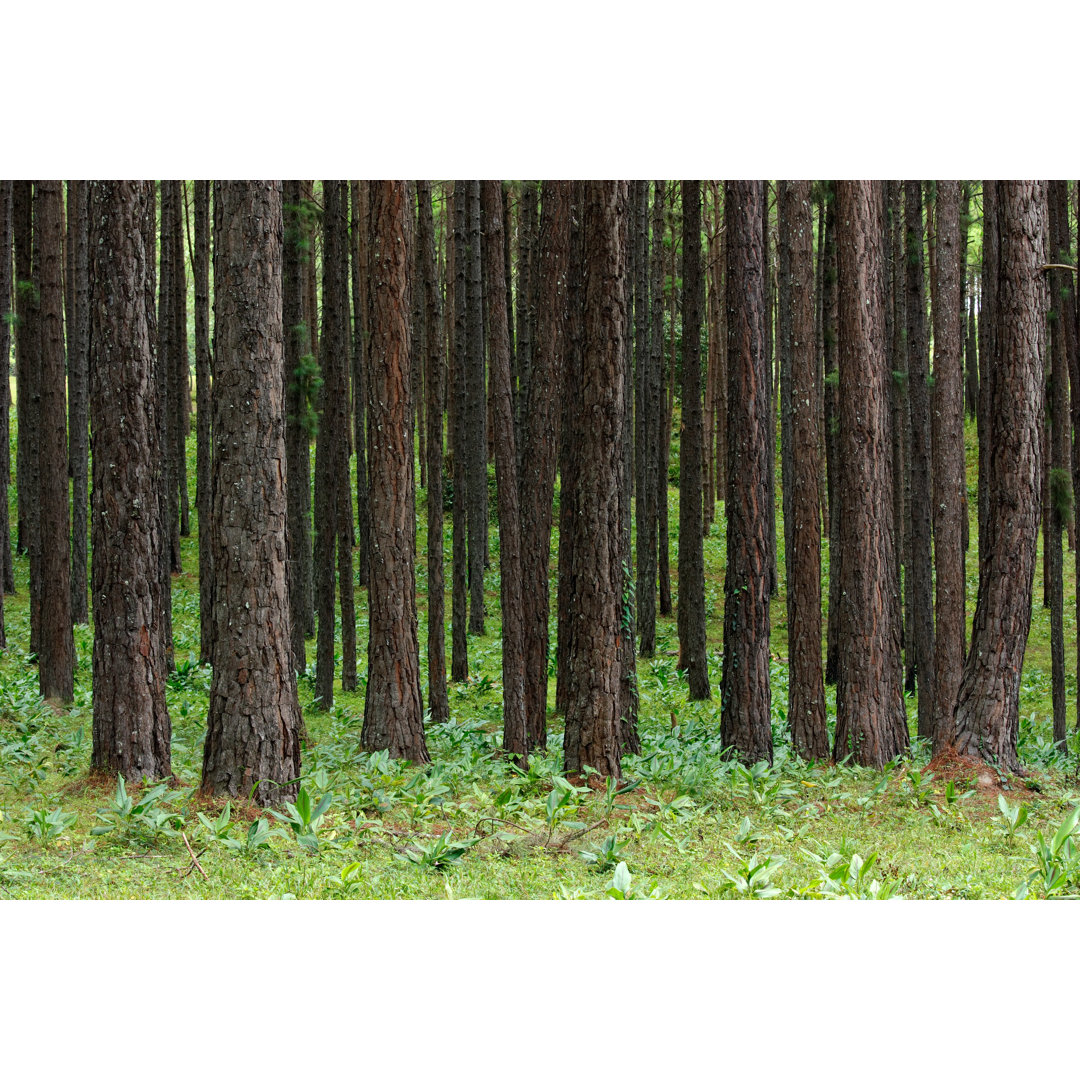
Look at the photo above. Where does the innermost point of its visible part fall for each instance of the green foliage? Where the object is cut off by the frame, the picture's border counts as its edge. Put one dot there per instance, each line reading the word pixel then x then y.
pixel 1057 867
pixel 306 384
pixel 147 820
pixel 606 855
pixel 1012 817
pixel 1061 495
pixel 45 826
pixel 440 854
pixel 302 817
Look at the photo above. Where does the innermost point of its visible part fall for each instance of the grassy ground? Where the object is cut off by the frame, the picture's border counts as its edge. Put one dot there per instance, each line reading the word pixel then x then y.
pixel 692 825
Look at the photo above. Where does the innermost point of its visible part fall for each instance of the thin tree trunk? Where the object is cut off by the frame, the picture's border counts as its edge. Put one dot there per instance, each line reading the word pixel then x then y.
pixel 667 405
pixel 830 333
pixel 78 388
pixel 475 415
pixel 204 499
pixel 745 720
pixel 7 314
pixel 358 254
pixel 131 727
pixel 459 654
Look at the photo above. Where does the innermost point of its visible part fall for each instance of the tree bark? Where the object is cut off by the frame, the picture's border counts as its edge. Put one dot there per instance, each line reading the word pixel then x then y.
pixel 745 720
pixel 204 449
pixel 78 390
pixel 830 318
pixel 475 444
pixel 802 523
pixel 949 477
pixel 253 729
pixel 358 253
pixel 988 703
pixel 540 433
pixel 871 724
pixel 691 620
pixel 56 657
pixel 131 727
pixel 7 315
pixel 393 707
pixel 593 733
pixel 459 651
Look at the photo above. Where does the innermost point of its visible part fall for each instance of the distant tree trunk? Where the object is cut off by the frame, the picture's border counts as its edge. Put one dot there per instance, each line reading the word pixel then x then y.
pixel 181 385
pixel 691 621
pixel 594 708
pixel 802 523
pixel 830 334
pixel 7 314
pixel 784 340
pixel 871 724
pixel 358 254
pixel 526 316
pixel 988 703
pixel 667 405
pixel 131 727
pixel 438 702
pixel 642 317
pixel 540 432
pixel 713 303
pixel 204 448
pixel 971 360
pixel 987 349
pixel 921 617
pixel 459 654
pixel 949 477
pixel 56 657
pixel 515 741
pixel 1060 486
pixel 770 506
pixel 745 722
pixel 393 707
pixel 819 378
pixel 78 378
pixel 253 728
pixel 475 445
pixel 169 364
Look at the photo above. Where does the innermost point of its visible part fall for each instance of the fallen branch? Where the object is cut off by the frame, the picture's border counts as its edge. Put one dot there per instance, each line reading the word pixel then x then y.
pixel 194 858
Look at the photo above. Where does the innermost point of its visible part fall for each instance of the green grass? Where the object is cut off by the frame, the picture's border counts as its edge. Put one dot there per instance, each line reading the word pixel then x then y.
pixel 694 825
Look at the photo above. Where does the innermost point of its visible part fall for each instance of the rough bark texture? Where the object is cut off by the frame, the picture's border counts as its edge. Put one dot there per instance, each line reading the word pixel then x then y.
pixel 181 372
pixel 515 741
pixel 393 708
pixel 7 313
pixel 745 722
pixel 438 702
pixel 475 445
pixel 359 283
pixel 691 620
pixel 78 353
pixel 830 337
pixel 56 656
pixel 802 523
pixel 540 434
pixel 200 271
pixel 949 477
pixel 921 611
pixel 131 728
pixel 297 431
pixel 526 315
pixel 254 723
pixel 871 724
pixel 459 650
pixel 594 707
pixel 988 703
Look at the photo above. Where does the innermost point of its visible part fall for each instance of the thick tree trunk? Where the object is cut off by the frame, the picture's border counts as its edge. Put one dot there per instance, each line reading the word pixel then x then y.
pixel 515 740
pixel 131 728
pixel 475 445
pixel 802 523
pixel 438 702
pixel 987 349
pixel 393 707
pixel 204 448
pixel 253 728
pixel 594 708
pixel 830 335
pixel 56 656
pixel 358 255
pixel 949 477
pixel 988 703
pixel 526 317
pixel 771 388
pixel 78 353
pixel 644 452
pixel 540 432
pixel 896 319
pixel 921 612
pixel 7 314
pixel 459 652
pixel 871 724
pixel 745 720
pixel 691 621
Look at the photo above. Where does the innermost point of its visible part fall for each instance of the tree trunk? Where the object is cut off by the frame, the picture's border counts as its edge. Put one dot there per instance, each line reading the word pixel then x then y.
pixel 515 740
pixel 393 707
pixel 987 349
pixel 475 445
pixel 358 254
pixel 949 476
pixel 871 724
pixel 802 523
pixel 204 447
pixel 830 335
pixel 252 731
pixel 540 432
pixel 459 651
pixel 7 314
pixel 438 702
pixel 745 721
pixel 988 703
pixel 180 374
pixel 526 316
pixel 56 657
pixel 78 389
pixel 771 388
pixel 131 728
pixel 666 407
pixel 921 612
pixel 594 708
pixel 691 621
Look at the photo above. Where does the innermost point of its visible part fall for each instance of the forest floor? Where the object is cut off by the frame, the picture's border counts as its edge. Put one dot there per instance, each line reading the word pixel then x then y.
pixel 685 822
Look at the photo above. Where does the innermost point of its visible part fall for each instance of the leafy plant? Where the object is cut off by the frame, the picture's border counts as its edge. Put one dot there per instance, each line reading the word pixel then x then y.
pixel 1012 816
pixel 922 788
pixel 751 878
pixel 1056 864
pixel 440 854
pixel 44 826
pixel 606 855
pixel 849 875
pixel 147 819
pixel 302 818
pixel 622 888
